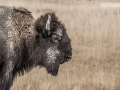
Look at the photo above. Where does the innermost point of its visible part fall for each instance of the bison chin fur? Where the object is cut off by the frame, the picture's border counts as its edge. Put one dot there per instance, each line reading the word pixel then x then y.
pixel 52 68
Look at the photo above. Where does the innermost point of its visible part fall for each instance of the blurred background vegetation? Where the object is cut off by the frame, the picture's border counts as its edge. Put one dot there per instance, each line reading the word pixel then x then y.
pixel 95 35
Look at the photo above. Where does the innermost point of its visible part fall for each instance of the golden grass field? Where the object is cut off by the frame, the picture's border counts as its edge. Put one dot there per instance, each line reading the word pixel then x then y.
pixel 95 35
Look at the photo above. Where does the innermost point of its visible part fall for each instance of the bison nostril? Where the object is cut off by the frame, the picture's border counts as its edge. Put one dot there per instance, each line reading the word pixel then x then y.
pixel 69 57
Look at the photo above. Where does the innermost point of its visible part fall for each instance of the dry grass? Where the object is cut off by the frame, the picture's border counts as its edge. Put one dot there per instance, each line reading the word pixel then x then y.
pixel 95 34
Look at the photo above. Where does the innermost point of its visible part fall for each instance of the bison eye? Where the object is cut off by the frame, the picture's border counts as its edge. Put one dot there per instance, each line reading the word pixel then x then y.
pixel 56 38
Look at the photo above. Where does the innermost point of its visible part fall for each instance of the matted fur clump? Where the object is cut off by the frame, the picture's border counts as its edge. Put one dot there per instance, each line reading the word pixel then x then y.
pixel 26 43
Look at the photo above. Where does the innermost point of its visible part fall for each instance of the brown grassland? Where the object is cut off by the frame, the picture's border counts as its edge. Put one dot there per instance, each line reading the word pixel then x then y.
pixel 95 35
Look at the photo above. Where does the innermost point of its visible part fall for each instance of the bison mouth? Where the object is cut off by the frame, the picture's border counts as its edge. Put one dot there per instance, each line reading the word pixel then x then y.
pixel 66 58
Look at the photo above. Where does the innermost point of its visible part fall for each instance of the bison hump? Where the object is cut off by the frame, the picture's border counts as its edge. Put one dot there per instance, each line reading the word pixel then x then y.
pixel 22 10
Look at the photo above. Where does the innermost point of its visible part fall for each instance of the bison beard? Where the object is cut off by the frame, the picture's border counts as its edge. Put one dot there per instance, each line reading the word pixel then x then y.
pixel 26 43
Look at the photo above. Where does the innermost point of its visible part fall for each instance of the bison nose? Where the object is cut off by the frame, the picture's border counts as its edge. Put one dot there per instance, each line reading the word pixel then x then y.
pixel 69 57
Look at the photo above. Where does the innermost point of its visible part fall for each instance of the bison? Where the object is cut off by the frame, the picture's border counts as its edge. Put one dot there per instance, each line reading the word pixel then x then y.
pixel 26 43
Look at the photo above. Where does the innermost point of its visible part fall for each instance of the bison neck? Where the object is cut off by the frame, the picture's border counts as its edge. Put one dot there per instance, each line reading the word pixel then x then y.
pixel 24 41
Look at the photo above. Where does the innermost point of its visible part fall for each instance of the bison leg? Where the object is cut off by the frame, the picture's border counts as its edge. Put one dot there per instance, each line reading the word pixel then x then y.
pixel 6 76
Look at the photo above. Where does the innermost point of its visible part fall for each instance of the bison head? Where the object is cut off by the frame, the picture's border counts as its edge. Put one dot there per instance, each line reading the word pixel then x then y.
pixel 54 41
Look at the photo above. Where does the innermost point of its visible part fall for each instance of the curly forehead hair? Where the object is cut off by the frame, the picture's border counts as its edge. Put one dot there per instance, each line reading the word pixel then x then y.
pixel 42 20
pixel 47 24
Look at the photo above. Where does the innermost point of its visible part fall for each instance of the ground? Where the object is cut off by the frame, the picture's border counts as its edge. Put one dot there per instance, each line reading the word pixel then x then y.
pixel 95 35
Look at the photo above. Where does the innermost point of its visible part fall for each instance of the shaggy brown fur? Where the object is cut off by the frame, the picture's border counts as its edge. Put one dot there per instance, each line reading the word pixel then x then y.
pixel 26 42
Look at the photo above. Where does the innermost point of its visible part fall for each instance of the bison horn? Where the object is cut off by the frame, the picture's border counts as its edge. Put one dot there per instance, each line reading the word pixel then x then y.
pixel 48 23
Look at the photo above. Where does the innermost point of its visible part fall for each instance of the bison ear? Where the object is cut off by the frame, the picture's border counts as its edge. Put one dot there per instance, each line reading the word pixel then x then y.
pixel 44 28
